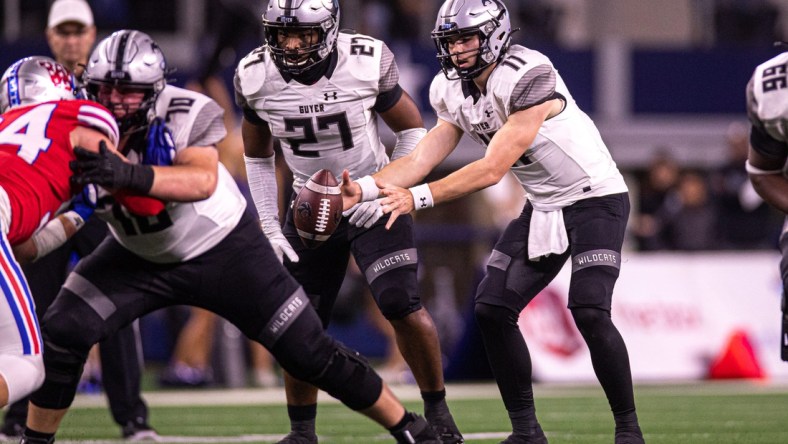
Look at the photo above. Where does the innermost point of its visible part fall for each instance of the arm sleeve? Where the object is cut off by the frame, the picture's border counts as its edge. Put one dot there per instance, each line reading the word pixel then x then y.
pixel 536 86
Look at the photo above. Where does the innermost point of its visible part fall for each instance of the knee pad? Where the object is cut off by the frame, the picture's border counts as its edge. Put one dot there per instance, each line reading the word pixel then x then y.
pixel 22 373
pixel 63 370
pixel 593 287
pixel 396 293
pixel 71 324
pixel 591 321
pixel 349 378
pixel 491 316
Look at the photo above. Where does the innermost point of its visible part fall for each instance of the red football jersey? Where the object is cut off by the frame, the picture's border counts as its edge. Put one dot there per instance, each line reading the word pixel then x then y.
pixel 35 150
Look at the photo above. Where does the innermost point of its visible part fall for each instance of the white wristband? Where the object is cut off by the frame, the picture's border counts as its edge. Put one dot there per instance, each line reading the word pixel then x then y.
pixel 49 237
pixel 74 218
pixel 369 191
pixel 422 196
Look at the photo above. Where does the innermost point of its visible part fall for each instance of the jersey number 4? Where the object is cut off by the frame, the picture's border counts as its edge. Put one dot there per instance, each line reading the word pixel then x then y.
pixel 28 132
pixel 323 123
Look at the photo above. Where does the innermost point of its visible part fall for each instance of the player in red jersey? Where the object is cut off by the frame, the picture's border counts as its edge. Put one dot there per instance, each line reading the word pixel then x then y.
pixel 40 125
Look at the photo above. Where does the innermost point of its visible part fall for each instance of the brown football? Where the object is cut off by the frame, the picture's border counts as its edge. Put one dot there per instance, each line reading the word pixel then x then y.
pixel 317 209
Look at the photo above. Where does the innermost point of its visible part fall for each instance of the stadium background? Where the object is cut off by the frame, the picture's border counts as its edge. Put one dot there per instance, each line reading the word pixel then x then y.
pixel 665 75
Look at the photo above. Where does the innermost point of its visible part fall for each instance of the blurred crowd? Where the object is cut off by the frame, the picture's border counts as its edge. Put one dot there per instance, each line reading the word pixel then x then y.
pixel 689 209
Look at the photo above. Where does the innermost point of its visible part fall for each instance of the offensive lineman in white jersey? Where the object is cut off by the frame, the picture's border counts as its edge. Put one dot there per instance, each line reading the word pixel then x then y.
pixel 320 93
pixel 199 248
pixel 767 108
pixel 512 100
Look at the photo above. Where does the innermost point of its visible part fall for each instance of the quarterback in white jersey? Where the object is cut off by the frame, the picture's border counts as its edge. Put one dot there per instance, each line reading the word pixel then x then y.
pixel 767 107
pixel 200 248
pixel 319 92
pixel 511 100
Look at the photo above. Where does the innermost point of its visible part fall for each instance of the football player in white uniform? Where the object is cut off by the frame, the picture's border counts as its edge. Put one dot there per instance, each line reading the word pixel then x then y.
pixel 511 100
pixel 767 107
pixel 182 236
pixel 320 91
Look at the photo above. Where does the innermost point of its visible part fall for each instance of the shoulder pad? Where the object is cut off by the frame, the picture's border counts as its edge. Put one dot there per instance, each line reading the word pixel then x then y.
pixel 250 74
pixel 93 115
pixel 768 95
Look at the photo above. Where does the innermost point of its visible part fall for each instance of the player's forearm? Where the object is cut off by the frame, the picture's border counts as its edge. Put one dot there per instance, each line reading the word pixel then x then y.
pixel 471 178
pixel 183 183
pixel 428 154
pixel 773 188
pixel 50 237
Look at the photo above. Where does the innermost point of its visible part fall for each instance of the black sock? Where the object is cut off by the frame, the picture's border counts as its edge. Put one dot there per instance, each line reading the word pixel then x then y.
pixel 627 421
pixel 434 403
pixel 523 421
pixel 406 419
pixel 38 436
pixel 302 417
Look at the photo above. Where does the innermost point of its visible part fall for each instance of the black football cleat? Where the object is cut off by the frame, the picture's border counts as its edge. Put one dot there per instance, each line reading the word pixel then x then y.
pixel 535 436
pixel 299 437
pixel 447 430
pixel 28 440
pixel 630 437
pixel 416 431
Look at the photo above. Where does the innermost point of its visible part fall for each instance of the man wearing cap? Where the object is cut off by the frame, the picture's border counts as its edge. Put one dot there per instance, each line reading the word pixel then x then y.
pixel 71 35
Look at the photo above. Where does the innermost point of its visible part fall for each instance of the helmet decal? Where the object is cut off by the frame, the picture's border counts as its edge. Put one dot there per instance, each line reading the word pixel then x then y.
pixel 34 80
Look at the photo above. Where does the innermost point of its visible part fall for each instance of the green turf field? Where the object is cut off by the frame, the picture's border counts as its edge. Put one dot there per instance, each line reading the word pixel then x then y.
pixel 714 413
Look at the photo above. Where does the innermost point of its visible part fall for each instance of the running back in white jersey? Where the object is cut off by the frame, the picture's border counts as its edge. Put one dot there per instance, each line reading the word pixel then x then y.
pixel 330 124
pixel 184 229
pixel 568 160
pixel 767 97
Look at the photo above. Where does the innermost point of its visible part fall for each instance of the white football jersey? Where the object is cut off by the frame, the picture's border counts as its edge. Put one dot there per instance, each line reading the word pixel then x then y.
pixel 330 124
pixel 568 160
pixel 767 97
pixel 185 229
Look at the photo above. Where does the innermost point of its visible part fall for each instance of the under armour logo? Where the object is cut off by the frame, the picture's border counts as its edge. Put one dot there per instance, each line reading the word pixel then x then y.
pixel 423 202
pixel 487 113
pixel 332 95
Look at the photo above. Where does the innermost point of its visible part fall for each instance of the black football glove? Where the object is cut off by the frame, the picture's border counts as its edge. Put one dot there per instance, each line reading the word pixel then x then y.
pixel 108 170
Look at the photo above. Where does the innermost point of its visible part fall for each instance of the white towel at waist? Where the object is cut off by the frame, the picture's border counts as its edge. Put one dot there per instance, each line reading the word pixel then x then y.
pixel 547 234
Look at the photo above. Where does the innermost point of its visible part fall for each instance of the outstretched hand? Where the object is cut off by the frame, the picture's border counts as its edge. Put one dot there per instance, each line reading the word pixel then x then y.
pixel 351 191
pixel 396 201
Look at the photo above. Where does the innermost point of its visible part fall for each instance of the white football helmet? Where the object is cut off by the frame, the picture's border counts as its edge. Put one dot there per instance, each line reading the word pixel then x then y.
pixel 127 59
pixel 489 19
pixel 34 80
pixel 301 15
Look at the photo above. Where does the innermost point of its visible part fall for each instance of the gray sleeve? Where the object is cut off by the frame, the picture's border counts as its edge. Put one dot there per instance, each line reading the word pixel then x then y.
pixel 752 103
pixel 534 87
pixel 208 128
pixel 389 73
pixel 240 100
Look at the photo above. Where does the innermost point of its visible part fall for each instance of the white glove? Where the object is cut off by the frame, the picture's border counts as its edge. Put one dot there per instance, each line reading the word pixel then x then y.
pixel 281 246
pixel 365 214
